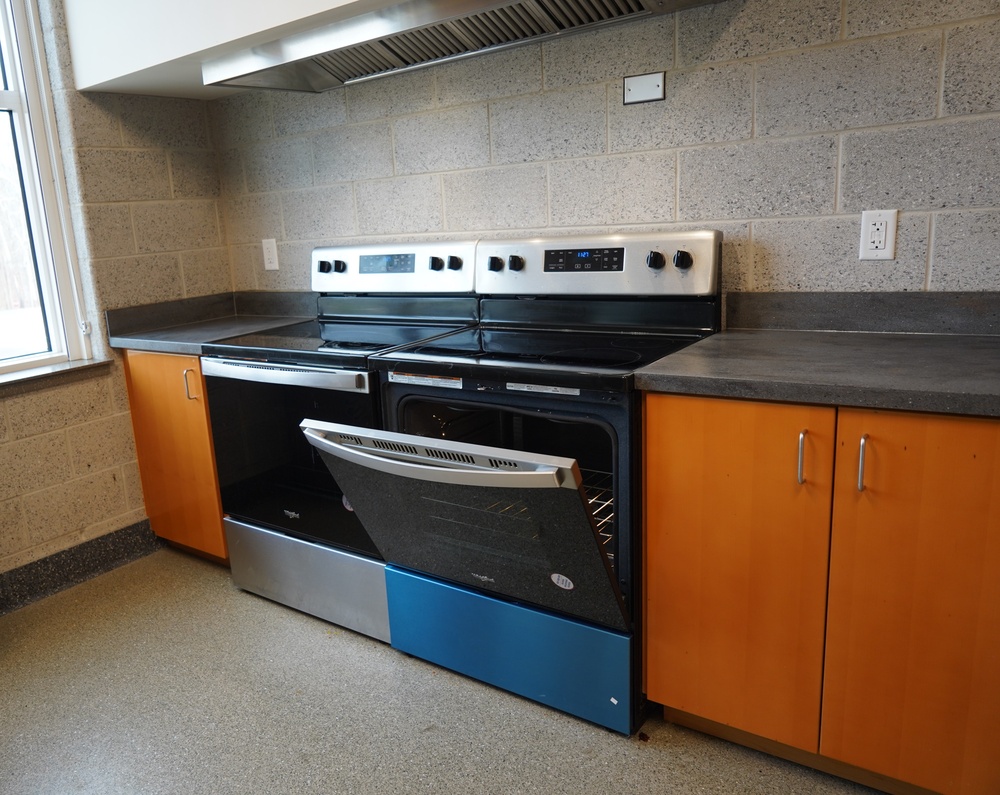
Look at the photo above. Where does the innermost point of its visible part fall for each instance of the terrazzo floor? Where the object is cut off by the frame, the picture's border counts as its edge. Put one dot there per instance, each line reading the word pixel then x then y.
pixel 162 677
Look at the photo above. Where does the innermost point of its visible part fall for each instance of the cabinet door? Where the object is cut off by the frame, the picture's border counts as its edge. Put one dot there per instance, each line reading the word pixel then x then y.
pixel 736 561
pixel 173 442
pixel 912 685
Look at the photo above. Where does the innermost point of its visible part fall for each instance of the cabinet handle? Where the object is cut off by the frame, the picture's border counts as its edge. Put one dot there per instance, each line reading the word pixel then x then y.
pixel 802 457
pixel 187 386
pixel 861 462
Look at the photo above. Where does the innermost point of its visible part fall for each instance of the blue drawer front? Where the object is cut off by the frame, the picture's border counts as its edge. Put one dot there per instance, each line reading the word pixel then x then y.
pixel 574 667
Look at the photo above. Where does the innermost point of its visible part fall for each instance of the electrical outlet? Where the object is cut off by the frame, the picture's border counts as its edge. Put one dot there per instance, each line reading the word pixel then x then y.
pixel 270 254
pixel 878 234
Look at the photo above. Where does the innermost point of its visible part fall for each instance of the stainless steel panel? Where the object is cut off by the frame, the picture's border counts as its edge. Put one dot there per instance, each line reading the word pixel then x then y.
pixel 286 374
pixel 332 584
pixel 423 278
pixel 635 278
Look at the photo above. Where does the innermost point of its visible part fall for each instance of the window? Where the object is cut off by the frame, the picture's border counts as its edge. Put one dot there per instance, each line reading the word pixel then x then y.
pixel 41 318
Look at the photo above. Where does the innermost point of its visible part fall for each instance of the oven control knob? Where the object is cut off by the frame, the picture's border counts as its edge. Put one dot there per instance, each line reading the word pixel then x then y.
pixel 436 263
pixel 454 263
pixel 515 263
pixel 495 263
pixel 339 265
pixel 325 266
pixel 683 259
pixel 655 260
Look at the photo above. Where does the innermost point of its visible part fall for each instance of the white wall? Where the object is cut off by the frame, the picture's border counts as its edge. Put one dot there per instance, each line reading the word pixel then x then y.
pixel 114 41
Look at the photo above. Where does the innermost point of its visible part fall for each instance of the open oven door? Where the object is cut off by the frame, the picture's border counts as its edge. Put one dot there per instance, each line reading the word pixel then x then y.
pixel 512 523
pixel 460 523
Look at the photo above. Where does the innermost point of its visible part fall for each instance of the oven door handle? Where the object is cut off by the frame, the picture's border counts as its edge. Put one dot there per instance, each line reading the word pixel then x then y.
pixel 544 476
pixel 286 374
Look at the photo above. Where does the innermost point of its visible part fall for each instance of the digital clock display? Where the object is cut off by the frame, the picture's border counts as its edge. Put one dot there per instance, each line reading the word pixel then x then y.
pixel 584 260
pixel 387 263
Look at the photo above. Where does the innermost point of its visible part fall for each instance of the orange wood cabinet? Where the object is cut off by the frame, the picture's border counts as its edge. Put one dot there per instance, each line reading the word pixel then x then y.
pixel 736 554
pixel 912 681
pixel 173 442
pixel 736 582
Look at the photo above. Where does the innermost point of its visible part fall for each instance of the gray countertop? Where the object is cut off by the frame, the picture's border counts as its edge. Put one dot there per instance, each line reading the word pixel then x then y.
pixel 953 373
pixel 189 337
pixel 947 373
pixel 185 325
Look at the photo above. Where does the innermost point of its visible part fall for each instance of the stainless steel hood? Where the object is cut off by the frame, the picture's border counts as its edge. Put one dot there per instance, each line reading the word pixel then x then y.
pixel 370 43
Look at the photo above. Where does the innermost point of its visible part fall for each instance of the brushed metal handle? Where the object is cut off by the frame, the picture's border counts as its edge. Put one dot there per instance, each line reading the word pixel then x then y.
pixel 802 457
pixel 861 462
pixel 286 374
pixel 187 386
pixel 544 477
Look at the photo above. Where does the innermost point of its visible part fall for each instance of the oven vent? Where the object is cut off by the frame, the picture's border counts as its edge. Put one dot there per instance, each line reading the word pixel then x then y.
pixel 494 28
pixel 449 455
pixel 499 463
pixel 355 440
pixel 395 447
pixel 414 33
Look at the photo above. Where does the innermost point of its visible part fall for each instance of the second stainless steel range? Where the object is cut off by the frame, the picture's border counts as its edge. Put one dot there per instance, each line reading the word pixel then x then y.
pixel 503 491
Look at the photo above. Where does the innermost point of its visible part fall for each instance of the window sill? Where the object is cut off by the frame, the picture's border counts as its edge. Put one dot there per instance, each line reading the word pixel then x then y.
pixel 22 381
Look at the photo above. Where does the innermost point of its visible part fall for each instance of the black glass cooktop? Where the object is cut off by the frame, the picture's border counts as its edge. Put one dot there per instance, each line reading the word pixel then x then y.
pixel 333 344
pixel 565 350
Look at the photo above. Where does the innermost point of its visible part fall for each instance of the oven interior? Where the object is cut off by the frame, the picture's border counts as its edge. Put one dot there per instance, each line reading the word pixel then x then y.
pixel 275 478
pixel 590 442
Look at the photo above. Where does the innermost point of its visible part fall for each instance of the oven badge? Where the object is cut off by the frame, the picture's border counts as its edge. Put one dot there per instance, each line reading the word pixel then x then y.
pixel 562 581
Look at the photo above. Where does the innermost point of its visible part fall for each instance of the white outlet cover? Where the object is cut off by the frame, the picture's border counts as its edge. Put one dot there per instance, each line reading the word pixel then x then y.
pixel 878 234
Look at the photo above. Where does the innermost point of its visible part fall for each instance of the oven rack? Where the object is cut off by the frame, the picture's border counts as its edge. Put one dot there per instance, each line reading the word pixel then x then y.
pixel 599 491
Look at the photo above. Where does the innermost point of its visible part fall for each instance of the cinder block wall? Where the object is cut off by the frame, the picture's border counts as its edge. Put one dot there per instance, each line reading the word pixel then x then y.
pixel 771 131
pixel 783 120
pixel 144 192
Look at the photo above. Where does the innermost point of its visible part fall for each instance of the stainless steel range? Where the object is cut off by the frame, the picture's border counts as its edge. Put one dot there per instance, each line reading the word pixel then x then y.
pixel 291 535
pixel 502 491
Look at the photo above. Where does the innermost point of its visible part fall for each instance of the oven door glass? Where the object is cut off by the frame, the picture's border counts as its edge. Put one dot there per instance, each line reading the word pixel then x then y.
pixel 511 523
pixel 268 475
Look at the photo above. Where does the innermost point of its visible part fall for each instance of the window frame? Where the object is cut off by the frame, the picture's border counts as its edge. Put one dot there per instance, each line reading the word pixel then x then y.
pixel 29 100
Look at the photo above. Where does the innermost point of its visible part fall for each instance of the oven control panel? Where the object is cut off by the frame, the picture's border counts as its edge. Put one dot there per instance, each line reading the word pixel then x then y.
pixel 446 267
pixel 669 263
pixel 581 260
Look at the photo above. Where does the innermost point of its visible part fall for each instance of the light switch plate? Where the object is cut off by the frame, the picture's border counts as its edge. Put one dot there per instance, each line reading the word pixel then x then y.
pixel 644 88
pixel 270 249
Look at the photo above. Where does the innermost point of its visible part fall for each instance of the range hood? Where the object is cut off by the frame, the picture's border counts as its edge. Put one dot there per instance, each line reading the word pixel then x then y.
pixel 370 43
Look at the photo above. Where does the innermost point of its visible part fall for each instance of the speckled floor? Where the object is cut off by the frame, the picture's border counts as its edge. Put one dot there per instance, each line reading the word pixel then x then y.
pixel 161 677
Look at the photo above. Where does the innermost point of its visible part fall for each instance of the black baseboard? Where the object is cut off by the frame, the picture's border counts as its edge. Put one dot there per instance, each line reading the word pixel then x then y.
pixel 34 581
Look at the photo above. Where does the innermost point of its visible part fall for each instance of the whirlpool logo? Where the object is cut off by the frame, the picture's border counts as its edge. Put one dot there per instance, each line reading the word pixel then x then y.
pixel 482 577
pixel 291 514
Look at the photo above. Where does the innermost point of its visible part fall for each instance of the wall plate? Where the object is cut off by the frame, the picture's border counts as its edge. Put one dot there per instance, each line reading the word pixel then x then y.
pixel 878 234
pixel 270 249
pixel 644 88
